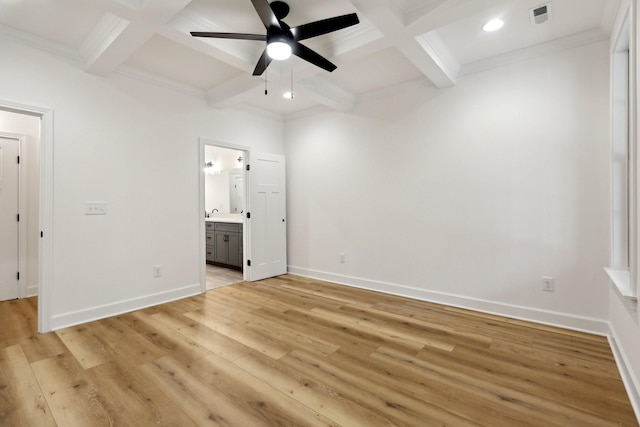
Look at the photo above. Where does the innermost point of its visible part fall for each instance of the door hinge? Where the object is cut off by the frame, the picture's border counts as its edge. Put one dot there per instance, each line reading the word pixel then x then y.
pixel 42 234
pixel 248 167
pixel 18 159
pixel 18 217
pixel 248 263
pixel 248 215
pixel 18 275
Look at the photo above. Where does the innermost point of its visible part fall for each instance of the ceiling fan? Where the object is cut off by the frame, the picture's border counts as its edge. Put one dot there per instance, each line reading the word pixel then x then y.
pixel 282 40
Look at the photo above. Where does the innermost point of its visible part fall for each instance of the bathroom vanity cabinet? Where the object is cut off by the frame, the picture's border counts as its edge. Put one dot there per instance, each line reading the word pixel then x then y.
pixel 224 244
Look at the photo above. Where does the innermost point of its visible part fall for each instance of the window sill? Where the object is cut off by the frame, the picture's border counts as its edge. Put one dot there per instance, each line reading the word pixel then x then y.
pixel 622 280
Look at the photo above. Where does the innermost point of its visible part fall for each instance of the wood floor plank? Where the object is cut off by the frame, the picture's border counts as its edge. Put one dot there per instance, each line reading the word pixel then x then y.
pixel 206 405
pixel 282 333
pixel 233 330
pixel 398 407
pixel 272 405
pixel 254 298
pixel 313 394
pixel 213 341
pixel 165 339
pixel 41 346
pixel 133 399
pixel 89 348
pixel 300 321
pixel 72 397
pixel 22 402
pixel 440 393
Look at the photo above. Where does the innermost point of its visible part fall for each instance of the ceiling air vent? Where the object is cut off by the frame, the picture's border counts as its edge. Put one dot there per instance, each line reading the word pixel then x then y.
pixel 540 15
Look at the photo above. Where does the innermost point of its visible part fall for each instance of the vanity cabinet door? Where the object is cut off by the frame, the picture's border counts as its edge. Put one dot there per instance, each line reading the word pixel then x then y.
pixel 221 250
pixel 234 249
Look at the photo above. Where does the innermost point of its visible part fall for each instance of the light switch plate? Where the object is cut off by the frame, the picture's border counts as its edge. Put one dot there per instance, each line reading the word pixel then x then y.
pixel 95 208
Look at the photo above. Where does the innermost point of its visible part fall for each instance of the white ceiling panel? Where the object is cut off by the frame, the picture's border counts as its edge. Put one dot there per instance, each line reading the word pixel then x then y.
pixel 173 61
pixel 151 38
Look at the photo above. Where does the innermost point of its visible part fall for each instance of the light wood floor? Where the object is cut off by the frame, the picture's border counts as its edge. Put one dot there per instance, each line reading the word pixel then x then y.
pixel 298 352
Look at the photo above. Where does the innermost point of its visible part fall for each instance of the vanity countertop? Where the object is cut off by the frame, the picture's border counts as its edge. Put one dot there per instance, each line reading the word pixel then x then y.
pixel 235 220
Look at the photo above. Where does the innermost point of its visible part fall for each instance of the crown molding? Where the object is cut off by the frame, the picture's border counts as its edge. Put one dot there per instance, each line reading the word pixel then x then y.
pixel 40 43
pixel 162 82
pixel 558 45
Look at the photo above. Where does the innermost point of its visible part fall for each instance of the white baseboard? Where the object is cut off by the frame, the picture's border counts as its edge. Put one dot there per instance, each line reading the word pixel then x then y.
pixel 630 380
pixel 32 291
pixel 65 320
pixel 552 318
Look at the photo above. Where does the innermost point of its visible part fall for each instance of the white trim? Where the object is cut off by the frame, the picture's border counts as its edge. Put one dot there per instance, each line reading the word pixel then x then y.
pixel 558 45
pixel 46 206
pixel 629 378
pixel 621 279
pixel 72 318
pixel 532 314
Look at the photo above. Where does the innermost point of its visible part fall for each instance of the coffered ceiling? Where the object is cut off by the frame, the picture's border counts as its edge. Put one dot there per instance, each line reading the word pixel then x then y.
pixel 398 43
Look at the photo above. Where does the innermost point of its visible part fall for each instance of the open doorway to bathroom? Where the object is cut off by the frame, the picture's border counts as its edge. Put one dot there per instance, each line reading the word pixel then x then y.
pixel 224 213
pixel 19 204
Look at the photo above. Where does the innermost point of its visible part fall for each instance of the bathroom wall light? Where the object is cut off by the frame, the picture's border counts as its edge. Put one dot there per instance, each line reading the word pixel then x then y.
pixel 493 25
pixel 211 169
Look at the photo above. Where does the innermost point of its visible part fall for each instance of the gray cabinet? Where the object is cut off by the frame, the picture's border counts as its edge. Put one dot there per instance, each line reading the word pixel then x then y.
pixel 224 244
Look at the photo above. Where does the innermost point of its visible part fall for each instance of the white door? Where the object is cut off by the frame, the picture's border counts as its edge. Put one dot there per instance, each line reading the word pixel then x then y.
pixel 8 218
pixel 266 221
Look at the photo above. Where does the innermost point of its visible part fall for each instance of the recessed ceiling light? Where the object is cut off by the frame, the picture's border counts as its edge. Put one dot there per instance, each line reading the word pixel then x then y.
pixel 288 95
pixel 493 25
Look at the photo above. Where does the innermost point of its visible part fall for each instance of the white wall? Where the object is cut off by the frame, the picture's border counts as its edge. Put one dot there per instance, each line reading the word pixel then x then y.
pixel 470 196
pixel 136 148
pixel 27 127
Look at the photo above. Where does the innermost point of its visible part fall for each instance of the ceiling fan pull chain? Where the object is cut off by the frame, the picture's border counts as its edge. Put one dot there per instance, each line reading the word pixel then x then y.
pixel 266 91
pixel 291 79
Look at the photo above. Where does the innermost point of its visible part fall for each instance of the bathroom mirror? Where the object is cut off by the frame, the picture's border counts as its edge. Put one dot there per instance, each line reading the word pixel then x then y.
pixel 224 181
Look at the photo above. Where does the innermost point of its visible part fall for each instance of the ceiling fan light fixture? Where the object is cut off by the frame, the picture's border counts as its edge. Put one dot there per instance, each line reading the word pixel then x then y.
pixel 493 25
pixel 279 50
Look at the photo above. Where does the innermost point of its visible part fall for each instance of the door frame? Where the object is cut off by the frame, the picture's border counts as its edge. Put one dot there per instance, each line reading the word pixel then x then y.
pixel 46 248
pixel 202 143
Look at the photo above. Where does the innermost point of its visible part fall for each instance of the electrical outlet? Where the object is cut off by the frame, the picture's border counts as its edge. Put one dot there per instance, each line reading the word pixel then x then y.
pixel 157 270
pixel 547 284
pixel 342 259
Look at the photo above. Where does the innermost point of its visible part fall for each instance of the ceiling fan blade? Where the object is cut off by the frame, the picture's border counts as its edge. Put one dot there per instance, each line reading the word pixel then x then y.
pixel 268 18
pixel 324 26
pixel 237 36
pixel 262 64
pixel 303 52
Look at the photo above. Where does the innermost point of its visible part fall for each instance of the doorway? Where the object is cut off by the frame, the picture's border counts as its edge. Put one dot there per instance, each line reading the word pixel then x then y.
pixel 35 200
pixel 19 205
pixel 224 213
